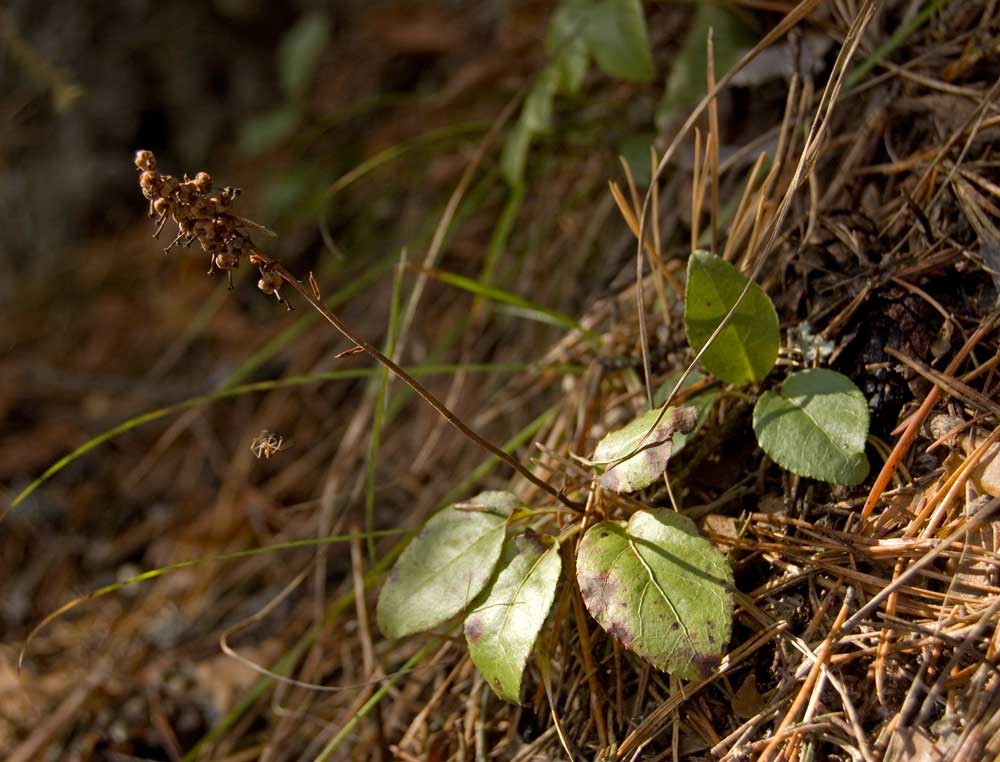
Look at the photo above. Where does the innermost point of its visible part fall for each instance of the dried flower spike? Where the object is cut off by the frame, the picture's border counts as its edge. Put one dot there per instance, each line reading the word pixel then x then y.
pixel 200 217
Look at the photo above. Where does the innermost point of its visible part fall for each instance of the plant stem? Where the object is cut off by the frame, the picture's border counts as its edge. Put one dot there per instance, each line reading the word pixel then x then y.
pixel 267 264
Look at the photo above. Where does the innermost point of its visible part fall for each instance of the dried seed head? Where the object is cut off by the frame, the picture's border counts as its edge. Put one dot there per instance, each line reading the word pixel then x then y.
pixel 145 160
pixel 269 282
pixel 201 207
pixel 185 193
pixel 203 218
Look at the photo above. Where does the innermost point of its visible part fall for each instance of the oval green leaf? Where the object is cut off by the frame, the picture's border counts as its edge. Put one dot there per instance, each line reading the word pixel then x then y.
pixel 645 467
pixel 567 49
pixel 659 588
pixel 540 101
pixel 446 566
pixel 815 426
pixel 688 80
pixel 299 52
pixel 501 631
pixel 615 32
pixel 514 155
pixel 745 351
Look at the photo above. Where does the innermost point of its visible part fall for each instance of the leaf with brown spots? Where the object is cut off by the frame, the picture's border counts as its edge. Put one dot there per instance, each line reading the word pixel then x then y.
pixel 446 566
pixel 646 466
pixel 501 631
pixel 660 589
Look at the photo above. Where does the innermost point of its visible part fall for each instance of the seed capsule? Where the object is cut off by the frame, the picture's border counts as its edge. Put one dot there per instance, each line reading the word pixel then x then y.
pixel 149 182
pixel 144 160
pixel 227 261
pixel 203 182
pixel 168 185
pixel 269 282
pixel 202 229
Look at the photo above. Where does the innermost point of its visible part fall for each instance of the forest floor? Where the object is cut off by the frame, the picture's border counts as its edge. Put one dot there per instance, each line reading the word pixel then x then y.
pixel 201 492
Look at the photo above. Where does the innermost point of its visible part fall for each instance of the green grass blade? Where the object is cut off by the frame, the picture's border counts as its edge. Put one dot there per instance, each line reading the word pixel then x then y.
pixel 259 386
pixel 162 570
pixel 235 556
pixel 525 308
pixel 501 233
pixel 897 38
pixel 385 157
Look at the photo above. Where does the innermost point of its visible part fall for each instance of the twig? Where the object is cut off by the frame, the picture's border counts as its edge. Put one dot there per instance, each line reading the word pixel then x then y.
pixel 977 520
pixel 903 445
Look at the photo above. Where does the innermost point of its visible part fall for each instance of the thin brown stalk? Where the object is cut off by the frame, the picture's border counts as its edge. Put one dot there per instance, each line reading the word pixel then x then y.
pixel 713 145
pixel 272 265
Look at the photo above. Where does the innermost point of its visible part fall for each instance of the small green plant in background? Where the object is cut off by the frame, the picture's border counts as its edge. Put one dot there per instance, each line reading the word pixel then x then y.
pixel 611 32
pixel 297 59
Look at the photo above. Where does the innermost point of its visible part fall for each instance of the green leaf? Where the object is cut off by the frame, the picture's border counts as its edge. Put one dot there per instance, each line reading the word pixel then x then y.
pixel 703 402
pixel 267 130
pixel 645 467
pixel 745 350
pixel 514 156
pixel 816 426
pixel 660 588
pixel 501 631
pixel 615 31
pixel 446 566
pixel 634 148
pixel 688 81
pixel 566 47
pixel 299 52
pixel 538 105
